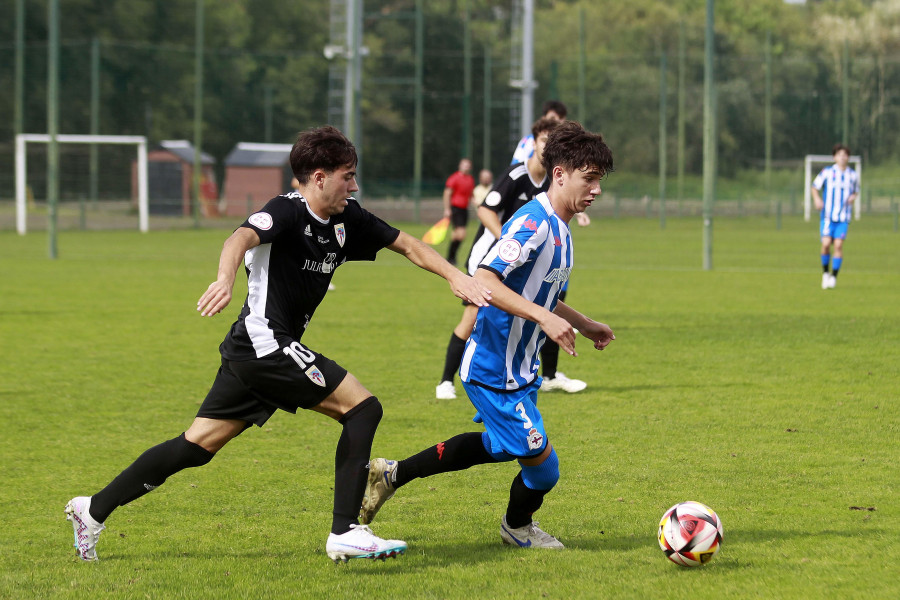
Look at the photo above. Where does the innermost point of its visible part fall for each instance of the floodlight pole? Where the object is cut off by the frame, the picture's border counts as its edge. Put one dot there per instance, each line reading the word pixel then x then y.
pixel 418 129
pixel 486 128
pixel 19 94
pixel 709 143
pixel 52 122
pixel 198 111
pixel 528 83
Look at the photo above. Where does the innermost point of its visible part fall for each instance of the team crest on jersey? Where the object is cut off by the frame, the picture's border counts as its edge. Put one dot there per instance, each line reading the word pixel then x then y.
pixel 261 220
pixel 315 375
pixel 535 439
pixel 340 233
pixel 509 250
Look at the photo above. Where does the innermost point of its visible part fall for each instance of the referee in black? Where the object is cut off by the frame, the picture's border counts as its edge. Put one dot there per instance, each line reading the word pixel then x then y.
pixel 290 250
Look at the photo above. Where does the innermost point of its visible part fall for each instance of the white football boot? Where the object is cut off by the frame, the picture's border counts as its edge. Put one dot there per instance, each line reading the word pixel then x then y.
pixel 529 536
pixel 561 382
pixel 445 391
pixel 379 488
pixel 826 280
pixel 360 542
pixel 832 281
pixel 87 530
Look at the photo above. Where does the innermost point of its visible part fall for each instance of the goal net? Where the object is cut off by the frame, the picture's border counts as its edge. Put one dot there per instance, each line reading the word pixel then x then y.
pixel 122 179
pixel 817 161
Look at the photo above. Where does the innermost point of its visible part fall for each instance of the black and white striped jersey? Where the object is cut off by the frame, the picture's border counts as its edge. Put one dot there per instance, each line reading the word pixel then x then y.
pixel 289 272
pixel 512 191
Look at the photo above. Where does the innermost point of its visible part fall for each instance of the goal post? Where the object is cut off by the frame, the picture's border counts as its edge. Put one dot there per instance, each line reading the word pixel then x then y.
pixel 817 159
pixel 43 138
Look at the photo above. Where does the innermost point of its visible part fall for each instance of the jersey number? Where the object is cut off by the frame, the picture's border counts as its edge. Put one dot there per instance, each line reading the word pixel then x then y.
pixel 520 408
pixel 302 356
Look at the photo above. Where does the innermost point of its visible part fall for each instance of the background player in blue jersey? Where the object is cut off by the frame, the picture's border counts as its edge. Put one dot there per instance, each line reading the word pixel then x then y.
pixel 290 249
pixel 525 272
pixel 834 191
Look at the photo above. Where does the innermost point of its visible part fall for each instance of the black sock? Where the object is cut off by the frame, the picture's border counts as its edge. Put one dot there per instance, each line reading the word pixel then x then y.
pixel 451 254
pixel 459 452
pixel 350 461
pixel 835 272
pixel 455 349
pixel 824 268
pixel 549 358
pixel 523 502
pixel 146 473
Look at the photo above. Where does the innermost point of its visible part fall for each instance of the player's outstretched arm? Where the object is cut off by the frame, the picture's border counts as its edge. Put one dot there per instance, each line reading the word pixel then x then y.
pixel 599 333
pixel 218 294
pixel 422 255
pixel 557 329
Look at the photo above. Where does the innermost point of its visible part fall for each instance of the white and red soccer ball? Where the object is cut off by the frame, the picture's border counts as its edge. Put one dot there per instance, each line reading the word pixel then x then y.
pixel 690 534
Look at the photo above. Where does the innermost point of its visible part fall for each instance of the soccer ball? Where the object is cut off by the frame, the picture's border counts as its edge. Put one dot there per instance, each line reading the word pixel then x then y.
pixel 690 534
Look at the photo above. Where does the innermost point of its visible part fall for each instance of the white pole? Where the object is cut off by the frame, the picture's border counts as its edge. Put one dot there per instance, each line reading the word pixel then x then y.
pixel 143 210
pixel 20 185
pixel 857 208
pixel 528 84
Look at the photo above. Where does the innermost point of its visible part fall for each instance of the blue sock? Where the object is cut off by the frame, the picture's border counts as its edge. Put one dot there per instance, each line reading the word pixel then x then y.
pixel 836 266
pixel 825 259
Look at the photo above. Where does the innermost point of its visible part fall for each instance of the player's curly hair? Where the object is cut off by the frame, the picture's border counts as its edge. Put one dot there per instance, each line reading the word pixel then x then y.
pixel 838 147
pixel 571 147
pixel 543 124
pixel 321 148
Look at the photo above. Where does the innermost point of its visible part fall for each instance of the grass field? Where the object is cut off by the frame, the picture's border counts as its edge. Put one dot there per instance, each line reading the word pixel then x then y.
pixel 746 387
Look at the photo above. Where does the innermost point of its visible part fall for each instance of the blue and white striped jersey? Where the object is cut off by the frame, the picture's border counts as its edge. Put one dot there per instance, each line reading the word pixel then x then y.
pixel 836 187
pixel 533 258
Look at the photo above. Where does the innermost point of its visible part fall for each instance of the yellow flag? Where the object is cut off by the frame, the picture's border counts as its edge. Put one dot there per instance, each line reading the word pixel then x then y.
pixel 437 233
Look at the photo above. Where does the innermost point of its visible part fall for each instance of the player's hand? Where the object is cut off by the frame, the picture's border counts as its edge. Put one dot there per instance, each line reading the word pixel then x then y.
pixel 560 331
pixel 819 205
pixel 469 289
pixel 599 333
pixel 216 298
pixel 583 219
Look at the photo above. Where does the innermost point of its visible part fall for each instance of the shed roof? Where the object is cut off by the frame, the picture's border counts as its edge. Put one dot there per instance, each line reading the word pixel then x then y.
pixel 250 154
pixel 184 150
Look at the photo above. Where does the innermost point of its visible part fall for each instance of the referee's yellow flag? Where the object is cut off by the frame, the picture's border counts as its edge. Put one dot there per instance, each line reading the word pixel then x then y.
pixel 437 233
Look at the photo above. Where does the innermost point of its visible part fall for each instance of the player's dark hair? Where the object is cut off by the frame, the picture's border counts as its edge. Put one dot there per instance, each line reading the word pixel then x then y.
pixel 323 148
pixel 838 147
pixel 556 106
pixel 571 147
pixel 543 124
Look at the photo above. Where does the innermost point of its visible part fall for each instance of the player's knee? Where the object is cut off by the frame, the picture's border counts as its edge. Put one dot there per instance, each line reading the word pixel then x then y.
pixel 543 476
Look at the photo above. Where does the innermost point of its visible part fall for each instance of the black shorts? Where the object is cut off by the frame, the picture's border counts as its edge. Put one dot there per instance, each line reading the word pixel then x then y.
pixel 459 217
pixel 252 390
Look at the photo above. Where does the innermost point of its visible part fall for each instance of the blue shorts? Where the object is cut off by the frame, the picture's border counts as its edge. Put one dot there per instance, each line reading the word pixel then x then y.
pixel 836 231
pixel 511 419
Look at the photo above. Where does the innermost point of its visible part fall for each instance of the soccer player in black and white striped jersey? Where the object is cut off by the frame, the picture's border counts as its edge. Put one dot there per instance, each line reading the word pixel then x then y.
pixel 290 249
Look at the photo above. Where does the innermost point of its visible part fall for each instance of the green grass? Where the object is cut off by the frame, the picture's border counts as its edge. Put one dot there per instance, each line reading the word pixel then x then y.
pixel 746 387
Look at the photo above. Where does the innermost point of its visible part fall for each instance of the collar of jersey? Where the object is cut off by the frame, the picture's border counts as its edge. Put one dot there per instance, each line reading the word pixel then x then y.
pixel 313 214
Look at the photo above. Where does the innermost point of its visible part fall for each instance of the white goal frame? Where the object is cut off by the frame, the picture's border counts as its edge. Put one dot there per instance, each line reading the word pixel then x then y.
pixel 855 160
pixel 140 141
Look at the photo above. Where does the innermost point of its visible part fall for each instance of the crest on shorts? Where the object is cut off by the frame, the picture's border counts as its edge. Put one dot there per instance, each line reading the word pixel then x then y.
pixel 315 375
pixel 535 439
pixel 340 233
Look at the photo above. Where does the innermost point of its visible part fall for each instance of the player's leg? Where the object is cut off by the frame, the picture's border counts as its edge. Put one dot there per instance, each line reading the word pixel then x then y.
pixel 825 251
pixel 359 412
pixel 455 349
pixel 456 454
pixel 837 260
pixel 459 218
pixel 526 495
pixel 210 431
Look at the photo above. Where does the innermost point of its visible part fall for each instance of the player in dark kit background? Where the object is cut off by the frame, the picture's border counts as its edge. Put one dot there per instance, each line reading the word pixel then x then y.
pixel 290 249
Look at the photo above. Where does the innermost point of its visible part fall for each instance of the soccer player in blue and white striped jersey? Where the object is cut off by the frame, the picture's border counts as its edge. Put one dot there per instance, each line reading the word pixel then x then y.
pixel 525 272
pixel 834 191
